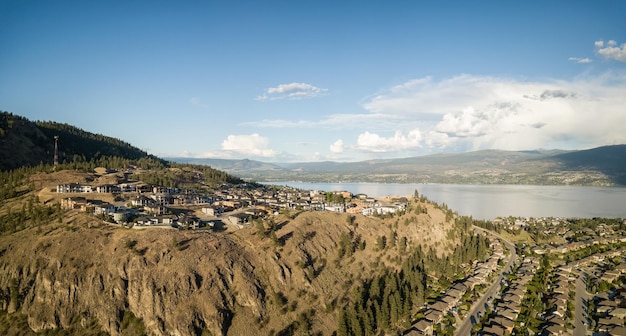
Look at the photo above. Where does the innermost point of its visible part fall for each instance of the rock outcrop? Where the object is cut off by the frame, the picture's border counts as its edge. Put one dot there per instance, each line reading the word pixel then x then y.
pixel 177 284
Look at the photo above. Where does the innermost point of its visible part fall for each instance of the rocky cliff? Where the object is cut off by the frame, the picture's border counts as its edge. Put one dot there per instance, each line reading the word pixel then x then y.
pixel 178 284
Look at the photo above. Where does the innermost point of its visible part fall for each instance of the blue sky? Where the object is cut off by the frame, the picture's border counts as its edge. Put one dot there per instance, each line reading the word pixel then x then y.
pixel 320 80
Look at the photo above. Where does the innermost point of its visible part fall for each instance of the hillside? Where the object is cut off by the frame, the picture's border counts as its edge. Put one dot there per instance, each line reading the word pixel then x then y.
pixel 27 143
pixel 71 271
pixel 22 143
pixel 602 166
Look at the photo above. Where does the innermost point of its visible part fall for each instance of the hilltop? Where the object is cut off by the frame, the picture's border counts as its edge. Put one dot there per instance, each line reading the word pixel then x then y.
pixel 27 143
pixel 293 270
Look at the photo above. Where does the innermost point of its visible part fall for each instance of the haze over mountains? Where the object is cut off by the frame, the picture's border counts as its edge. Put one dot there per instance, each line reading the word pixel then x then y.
pixel 597 166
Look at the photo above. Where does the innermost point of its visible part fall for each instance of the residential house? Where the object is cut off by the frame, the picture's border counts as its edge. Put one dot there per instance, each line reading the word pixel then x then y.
pixel 335 207
pixel 188 222
pixel 552 330
pixel 154 209
pixel 163 198
pixel 231 204
pixel 619 313
pixel 367 211
pixel 433 315
pixel 162 220
pixel 505 323
pixel 423 327
pixel 107 188
pixel 210 211
pixel 102 208
pixel 495 330
pixel 74 203
pixel 121 216
pixel 142 201
pixel 617 331
pixel 238 219
pixel 127 187
pixel 508 313
pixel 73 188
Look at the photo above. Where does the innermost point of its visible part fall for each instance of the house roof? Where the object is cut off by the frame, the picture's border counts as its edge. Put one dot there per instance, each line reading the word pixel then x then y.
pixel 423 325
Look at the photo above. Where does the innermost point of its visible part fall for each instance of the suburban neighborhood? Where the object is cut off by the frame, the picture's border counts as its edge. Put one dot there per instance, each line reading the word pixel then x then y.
pixel 558 288
pixel 146 205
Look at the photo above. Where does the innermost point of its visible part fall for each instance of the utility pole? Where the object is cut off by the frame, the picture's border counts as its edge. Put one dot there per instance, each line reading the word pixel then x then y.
pixel 56 152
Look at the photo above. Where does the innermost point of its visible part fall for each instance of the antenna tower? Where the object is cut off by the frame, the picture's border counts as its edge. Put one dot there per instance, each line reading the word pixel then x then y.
pixel 56 151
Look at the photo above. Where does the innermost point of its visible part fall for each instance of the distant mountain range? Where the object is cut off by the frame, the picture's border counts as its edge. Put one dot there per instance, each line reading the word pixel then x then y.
pixel 598 166
pixel 27 143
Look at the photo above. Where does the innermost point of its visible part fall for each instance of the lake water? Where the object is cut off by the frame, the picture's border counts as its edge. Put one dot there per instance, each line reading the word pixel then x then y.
pixel 491 201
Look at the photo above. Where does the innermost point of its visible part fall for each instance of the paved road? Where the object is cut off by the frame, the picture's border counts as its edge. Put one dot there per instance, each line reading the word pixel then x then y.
pixel 580 306
pixel 465 327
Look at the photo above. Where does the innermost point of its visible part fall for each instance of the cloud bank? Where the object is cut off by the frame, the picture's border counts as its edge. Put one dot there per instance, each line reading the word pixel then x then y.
pixel 371 142
pixel 478 112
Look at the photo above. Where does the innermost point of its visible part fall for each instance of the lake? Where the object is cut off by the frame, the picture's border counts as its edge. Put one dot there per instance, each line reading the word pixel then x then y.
pixel 491 201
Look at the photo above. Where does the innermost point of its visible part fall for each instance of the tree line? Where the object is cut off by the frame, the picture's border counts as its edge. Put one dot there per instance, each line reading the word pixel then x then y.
pixel 187 175
pixel 75 141
pixel 32 214
pixel 386 301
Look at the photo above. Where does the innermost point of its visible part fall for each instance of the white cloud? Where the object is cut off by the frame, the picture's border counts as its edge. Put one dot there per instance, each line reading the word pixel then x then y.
pixel 468 123
pixel 251 145
pixel 580 60
pixel 291 91
pixel 426 96
pixel 611 51
pixel 475 112
pixel 337 147
pixel 372 142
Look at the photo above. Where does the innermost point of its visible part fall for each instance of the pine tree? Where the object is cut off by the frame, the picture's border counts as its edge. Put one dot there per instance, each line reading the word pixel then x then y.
pixel 356 327
pixel 344 328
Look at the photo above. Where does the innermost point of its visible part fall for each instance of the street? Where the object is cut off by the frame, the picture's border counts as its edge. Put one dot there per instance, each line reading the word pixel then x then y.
pixel 479 307
pixel 580 306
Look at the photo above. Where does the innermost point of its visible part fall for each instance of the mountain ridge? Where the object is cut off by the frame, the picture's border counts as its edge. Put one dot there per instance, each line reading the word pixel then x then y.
pixel 29 143
pixel 603 166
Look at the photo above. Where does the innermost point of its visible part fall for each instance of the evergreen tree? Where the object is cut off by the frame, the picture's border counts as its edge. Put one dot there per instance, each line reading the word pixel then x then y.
pixel 344 328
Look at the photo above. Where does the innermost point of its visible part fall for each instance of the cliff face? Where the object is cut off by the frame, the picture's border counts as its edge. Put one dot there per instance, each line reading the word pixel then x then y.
pixel 178 285
pixel 82 272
